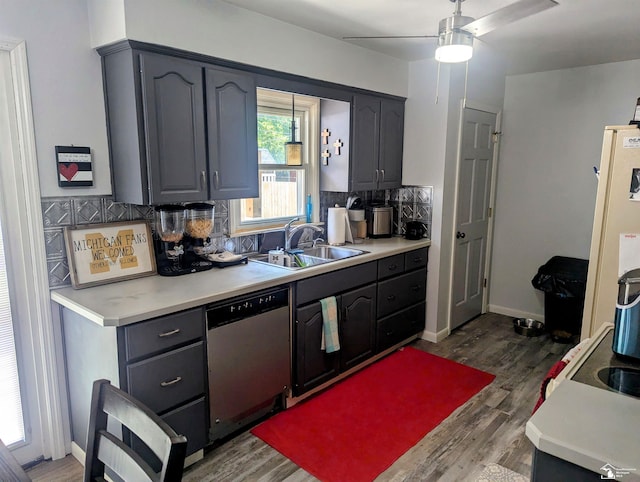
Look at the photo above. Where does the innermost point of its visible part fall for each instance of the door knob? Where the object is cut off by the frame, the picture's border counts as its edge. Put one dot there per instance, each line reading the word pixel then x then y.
pixel 460 235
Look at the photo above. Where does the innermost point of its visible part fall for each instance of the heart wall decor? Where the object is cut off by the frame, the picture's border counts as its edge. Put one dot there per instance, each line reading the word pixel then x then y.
pixel 74 166
pixel 68 170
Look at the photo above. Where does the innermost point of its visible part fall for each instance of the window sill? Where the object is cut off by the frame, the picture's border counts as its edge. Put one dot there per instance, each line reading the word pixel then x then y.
pixel 266 229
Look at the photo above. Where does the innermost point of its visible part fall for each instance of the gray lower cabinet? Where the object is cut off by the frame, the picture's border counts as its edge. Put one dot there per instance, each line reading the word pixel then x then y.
pixel 161 362
pixel 380 304
pixel 402 285
pixel 179 130
pixel 356 325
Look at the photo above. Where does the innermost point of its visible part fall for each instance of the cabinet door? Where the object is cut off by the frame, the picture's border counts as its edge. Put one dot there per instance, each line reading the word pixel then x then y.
pixel 365 143
pixel 391 141
pixel 173 104
pixel 232 115
pixel 312 366
pixel 357 326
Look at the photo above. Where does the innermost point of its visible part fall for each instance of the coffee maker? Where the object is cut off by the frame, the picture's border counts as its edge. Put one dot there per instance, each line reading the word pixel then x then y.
pixel 626 331
pixel 182 233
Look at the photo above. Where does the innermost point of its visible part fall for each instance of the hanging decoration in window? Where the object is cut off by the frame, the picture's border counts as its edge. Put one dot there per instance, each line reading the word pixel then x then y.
pixel 293 148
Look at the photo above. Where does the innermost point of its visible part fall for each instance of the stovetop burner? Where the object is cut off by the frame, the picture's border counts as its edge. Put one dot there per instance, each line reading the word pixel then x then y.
pixel 624 380
pixel 603 369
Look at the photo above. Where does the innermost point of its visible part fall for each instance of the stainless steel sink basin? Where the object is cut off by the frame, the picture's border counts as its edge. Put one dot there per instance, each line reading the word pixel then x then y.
pixel 313 256
pixel 332 252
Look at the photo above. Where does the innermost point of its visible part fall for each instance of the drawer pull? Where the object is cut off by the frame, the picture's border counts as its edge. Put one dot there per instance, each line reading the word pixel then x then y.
pixel 415 288
pixel 389 333
pixel 171 382
pixel 393 267
pixel 391 297
pixel 417 259
pixel 169 333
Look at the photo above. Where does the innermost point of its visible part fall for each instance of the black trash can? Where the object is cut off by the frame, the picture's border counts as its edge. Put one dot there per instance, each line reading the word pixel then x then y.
pixel 564 282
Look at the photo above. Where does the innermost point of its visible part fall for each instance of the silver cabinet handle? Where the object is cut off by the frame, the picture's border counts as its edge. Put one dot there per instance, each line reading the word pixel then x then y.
pixel 216 179
pixel 169 333
pixel 382 171
pixel 203 179
pixel 171 382
pixel 377 175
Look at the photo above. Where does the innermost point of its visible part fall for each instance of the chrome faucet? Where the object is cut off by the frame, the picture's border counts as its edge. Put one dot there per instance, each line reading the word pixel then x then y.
pixel 290 231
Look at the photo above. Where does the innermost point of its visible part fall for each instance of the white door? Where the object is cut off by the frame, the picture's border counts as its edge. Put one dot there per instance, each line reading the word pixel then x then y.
pixel 33 420
pixel 19 418
pixel 472 215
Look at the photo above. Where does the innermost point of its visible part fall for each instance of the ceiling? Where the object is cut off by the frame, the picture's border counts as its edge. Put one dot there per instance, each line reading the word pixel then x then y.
pixel 574 33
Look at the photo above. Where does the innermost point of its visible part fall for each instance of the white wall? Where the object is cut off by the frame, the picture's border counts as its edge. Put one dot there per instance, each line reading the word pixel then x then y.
pixel 431 155
pixel 216 28
pixel 553 129
pixel 66 85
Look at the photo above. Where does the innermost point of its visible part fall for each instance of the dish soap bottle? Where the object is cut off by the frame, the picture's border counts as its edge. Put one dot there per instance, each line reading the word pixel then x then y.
pixel 309 208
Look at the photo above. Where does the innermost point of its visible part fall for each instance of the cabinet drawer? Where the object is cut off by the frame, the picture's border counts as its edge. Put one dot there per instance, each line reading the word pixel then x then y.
pixel 148 337
pixel 416 259
pixel 397 293
pixel 167 380
pixel 391 266
pixel 329 284
pixel 401 325
pixel 189 420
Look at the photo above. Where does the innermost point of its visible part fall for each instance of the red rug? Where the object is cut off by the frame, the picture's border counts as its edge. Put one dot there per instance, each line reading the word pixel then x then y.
pixel 356 429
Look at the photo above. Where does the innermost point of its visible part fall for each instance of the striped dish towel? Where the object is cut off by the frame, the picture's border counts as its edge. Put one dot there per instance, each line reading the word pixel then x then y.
pixel 330 341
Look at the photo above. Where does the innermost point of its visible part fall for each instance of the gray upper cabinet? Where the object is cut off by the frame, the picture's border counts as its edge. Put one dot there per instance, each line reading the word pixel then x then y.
pixel 232 134
pixel 179 129
pixel 391 142
pixel 173 100
pixel 377 139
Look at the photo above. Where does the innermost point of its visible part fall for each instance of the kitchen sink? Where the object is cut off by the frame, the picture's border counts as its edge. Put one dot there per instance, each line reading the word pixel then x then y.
pixel 312 256
pixel 332 252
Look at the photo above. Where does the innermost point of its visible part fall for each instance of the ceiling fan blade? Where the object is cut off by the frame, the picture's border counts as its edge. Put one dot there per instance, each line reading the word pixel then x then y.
pixel 508 14
pixel 391 36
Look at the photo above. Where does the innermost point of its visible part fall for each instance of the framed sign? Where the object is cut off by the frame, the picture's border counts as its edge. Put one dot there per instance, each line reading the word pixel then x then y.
pixel 104 253
pixel 74 166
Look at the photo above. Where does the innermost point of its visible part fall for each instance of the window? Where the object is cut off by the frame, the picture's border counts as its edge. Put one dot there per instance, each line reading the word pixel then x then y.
pixel 283 188
pixel 12 426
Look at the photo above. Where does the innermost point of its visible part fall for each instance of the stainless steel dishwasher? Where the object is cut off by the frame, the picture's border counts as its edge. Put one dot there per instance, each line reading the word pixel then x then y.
pixel 248 357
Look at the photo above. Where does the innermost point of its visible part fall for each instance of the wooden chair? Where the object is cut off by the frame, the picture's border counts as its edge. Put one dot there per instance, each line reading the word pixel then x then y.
pixel 105 449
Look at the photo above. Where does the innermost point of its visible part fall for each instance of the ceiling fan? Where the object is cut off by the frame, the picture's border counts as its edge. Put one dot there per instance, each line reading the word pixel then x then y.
pixel 456 33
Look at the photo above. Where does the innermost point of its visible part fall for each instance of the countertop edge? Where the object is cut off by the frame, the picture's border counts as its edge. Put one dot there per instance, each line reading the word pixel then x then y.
pixel 98 303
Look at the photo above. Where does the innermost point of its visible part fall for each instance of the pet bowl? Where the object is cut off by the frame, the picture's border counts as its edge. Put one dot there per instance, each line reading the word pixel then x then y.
pixel 528 327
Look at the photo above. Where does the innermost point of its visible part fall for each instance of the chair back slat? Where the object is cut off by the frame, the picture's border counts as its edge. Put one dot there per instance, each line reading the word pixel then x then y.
pixel 113 453
pixel 120 406
pixel 106 449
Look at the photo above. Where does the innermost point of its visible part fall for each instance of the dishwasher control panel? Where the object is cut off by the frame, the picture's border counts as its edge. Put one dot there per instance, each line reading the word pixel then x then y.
pixel 245 306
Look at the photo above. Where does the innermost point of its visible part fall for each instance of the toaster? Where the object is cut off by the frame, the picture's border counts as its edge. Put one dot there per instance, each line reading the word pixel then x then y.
pixel 379 221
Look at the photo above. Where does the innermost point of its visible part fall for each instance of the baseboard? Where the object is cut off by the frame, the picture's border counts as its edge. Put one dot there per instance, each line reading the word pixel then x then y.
pixel 503 310
pixel 435 337
pixel 77 452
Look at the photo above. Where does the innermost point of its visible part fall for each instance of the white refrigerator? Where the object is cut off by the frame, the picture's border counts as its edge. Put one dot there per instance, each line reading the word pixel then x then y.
pixel 615 241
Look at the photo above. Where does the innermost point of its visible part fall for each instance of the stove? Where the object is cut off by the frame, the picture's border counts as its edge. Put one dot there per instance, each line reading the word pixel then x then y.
pixel 603 369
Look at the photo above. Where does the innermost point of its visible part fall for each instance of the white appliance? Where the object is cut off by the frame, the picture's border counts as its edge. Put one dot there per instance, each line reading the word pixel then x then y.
pixel 617 213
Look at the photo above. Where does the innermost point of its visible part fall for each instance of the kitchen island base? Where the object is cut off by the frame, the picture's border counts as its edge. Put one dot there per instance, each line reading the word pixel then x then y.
pixel 547 468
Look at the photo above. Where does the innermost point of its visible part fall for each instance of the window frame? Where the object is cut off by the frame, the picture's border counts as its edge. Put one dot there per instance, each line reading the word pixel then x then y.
pixel 308 109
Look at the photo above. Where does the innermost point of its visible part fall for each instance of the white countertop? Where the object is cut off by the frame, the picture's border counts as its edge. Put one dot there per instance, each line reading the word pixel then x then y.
pixel 126 302
pixel 586 425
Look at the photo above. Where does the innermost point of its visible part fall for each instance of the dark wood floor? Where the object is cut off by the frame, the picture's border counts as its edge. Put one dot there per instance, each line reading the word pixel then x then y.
pixel 489 428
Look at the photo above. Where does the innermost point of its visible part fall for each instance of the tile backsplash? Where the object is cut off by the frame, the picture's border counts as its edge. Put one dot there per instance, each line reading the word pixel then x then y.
pixel 409 202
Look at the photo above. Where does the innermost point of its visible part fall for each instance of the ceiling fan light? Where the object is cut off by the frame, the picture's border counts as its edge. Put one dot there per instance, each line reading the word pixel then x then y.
pixel 454 53
pixel 454 46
